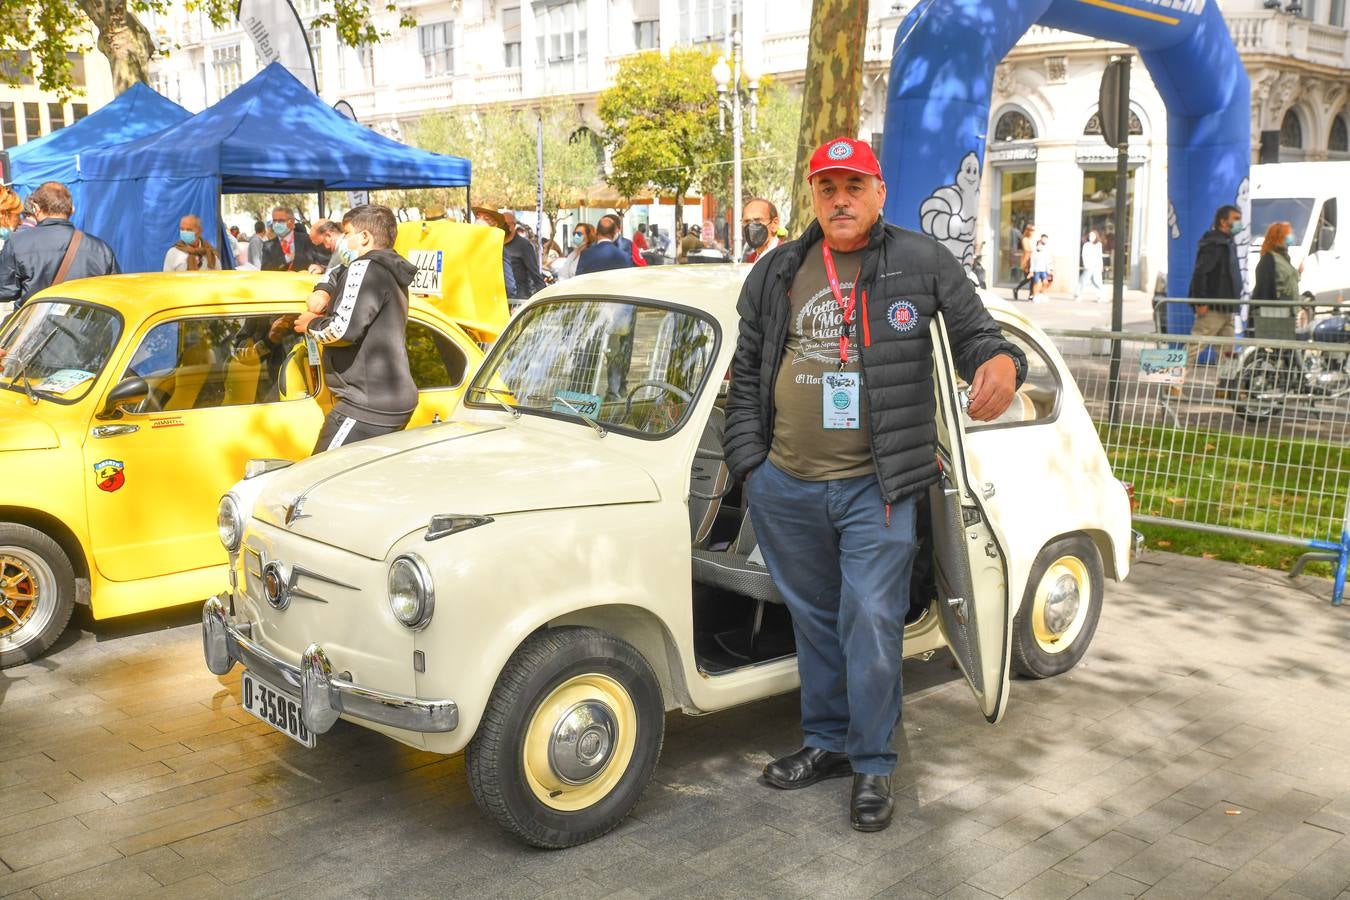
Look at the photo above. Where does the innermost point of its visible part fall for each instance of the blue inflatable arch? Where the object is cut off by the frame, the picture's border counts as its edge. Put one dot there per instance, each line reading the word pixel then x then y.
pixel 937 110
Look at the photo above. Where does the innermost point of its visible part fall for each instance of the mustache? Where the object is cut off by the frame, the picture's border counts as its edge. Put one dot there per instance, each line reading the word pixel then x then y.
pixel 840 214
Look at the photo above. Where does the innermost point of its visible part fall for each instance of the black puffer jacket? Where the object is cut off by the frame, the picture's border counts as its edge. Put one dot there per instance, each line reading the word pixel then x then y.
pixel 899 267
pixel 1218 272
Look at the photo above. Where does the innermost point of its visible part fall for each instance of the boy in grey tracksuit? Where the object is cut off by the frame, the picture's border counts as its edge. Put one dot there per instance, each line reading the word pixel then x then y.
pixel 360 315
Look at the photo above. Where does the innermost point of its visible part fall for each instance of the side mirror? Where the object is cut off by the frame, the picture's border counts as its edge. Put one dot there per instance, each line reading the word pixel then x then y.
pixel 128 390
pixel 1326 237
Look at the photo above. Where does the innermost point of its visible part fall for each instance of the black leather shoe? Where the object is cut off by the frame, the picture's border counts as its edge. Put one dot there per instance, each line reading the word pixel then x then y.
pixel 872 806
pixel 805 767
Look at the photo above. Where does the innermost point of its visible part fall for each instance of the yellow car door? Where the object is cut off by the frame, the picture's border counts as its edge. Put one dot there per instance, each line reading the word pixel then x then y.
pixel 441 358
pixel 216 389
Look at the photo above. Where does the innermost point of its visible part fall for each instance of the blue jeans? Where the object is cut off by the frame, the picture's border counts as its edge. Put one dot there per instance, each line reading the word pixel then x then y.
pixel 844 573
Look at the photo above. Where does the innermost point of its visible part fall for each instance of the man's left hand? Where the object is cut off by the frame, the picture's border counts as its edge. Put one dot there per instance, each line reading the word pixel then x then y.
pixel 992 391
pixel 302 322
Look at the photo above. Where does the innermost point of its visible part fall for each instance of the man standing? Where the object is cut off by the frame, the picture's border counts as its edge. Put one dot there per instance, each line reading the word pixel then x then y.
pixel 524 261
pixel 1217 276
pixel 692 242
pixel 290 250
pixel 1091 256
pixel 759 228
pixel 256 244
pixel 830 419
pixel 327 237
pixel 33 257
pixel 191 252
pixel 605 253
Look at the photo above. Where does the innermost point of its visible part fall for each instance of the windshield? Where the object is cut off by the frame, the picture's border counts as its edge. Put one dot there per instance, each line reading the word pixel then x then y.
pixel 623 366
pixel 1266 211
pixel 57 348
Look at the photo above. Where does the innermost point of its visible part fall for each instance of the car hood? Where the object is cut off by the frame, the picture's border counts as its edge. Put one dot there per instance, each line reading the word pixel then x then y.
pixel 25 433
pixel 365 497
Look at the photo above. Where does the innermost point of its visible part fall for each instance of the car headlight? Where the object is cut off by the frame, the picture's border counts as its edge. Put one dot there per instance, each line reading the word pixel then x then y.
pixel 229 523
pixel 411 595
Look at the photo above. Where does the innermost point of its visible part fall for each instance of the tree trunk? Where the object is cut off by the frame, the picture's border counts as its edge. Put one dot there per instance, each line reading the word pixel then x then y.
pixel 122 38
pixel 832 95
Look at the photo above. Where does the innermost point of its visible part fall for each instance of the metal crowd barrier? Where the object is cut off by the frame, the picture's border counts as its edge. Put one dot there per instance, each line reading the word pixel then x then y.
pixel 1255 445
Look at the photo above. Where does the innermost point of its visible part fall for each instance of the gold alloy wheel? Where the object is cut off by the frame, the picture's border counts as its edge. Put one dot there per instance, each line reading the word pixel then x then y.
pixel 21 591
pixel 579 742
pixel 1063 599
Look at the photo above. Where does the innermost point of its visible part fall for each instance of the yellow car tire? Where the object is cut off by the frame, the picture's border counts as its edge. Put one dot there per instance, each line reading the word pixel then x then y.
pixel 570 738
pixel 37 593
pixel 1060 610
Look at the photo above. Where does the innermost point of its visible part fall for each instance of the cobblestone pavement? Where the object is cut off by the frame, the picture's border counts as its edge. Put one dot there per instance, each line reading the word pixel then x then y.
pixel 1199 750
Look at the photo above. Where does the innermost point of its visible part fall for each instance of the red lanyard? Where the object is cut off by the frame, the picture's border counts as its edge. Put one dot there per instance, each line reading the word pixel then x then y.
pixel 848 307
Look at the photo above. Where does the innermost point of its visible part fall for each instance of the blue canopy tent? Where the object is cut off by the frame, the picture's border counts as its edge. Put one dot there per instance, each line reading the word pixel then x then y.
pixel 271 135
pixel 137 112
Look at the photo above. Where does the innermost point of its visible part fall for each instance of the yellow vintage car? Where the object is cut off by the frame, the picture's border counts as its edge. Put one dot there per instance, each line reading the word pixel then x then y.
pixel 130 403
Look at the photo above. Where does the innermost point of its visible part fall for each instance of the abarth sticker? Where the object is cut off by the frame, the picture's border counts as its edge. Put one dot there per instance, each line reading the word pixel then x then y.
pixel 109 476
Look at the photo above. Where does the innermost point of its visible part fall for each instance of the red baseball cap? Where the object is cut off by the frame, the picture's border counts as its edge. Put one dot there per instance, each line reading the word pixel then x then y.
pixel 844 153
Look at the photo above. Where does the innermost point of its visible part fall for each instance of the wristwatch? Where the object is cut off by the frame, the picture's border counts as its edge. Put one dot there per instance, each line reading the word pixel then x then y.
pixel 1020 364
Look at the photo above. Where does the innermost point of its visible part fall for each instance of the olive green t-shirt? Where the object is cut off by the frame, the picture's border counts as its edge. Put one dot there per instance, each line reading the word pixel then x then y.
pixel 802 446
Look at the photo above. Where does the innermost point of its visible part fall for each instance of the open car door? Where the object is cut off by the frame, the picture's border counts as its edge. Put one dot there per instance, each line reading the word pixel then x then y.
pixel 969 557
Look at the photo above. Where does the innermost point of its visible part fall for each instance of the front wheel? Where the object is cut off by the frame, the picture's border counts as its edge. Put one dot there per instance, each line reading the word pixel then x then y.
pixel 37 593
pixel 569 739
pixel 1059 612
pixel 1261 387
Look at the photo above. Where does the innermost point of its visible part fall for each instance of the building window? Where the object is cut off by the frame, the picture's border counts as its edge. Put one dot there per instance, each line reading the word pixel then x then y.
pixel 365 60
pixel 511 37
pixel 1338 141
pixel 702 21
pixel 225 60
pixel 561 31
pixel 78 111
pixel 1337 16
pixel 438 55
pixel 1014 125
pixel 1291 131
pixel 646 24
pixel 1094 124
pixel 56 116
pixel 1309 10
pixel 15 68
pixel 9 126
pixel 32 121
pixel 77 76
pixel 316 54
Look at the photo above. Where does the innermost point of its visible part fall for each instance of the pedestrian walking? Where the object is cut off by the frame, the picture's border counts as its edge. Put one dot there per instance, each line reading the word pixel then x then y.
pixel 191 252
pixel 51 252
pixel 1216 282
pixel 1275 279
pixel 829 419
pixel 1041 269
pixel 605 253
pixel 360 317
pixel 1024 261
pixel 1092 260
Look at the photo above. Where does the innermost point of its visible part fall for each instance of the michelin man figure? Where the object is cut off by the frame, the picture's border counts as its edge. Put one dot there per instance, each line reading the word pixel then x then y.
pixel 948 215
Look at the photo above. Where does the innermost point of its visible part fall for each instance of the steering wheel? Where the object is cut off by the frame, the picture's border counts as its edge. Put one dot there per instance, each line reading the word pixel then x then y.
pixel 666 386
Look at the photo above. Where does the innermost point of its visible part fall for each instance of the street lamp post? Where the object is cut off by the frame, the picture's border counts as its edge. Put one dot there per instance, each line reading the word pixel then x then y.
pixel 730 77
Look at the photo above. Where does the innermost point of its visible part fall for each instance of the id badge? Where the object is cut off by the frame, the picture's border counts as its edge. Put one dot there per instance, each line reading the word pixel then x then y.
pixel 312 347
pixel 840 402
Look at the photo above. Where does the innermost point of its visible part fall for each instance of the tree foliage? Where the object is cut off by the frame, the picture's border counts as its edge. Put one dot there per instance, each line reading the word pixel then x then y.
pixel 37 36
pixel 660 122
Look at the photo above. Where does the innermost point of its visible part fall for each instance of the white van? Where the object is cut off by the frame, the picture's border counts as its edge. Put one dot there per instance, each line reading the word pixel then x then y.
pixel 1305 194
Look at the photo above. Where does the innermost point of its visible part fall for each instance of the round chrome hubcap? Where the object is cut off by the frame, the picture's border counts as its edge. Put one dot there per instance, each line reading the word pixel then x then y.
pixel 1063 598
pixel 583 742
pixel 1061 605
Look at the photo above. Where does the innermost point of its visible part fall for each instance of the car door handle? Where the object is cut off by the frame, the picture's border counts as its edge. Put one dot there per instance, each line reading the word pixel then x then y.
pixel 105 431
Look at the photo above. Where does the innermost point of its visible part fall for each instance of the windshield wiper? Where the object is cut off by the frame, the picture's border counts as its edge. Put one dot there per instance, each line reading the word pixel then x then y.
pixel 599 429
pixel 515 413
pixel 23 367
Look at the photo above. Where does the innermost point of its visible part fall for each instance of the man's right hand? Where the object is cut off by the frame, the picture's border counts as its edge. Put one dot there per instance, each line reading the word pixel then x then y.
pixel 317 303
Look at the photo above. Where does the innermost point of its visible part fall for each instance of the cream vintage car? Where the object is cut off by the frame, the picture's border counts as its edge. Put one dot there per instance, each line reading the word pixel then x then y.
pixel 538 580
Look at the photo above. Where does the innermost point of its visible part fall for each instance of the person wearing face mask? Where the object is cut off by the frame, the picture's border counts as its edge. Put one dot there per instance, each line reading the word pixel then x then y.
pixel 289 249
pixel 53 251
pixel 1217 276
pixel 583 235
pixel 327 237
pixel 1276 279
pixel 759 228
pixel 605 253
pixel 362 325
pixel 191 252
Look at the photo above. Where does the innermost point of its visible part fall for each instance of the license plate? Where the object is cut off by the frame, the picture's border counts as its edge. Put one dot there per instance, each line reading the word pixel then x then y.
pixel 277 709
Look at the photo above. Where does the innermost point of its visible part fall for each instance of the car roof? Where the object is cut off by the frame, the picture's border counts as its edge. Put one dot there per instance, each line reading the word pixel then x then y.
pixel 145 293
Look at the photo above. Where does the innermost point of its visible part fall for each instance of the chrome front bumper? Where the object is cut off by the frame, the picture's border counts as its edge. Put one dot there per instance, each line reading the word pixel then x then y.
pixel 323 697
